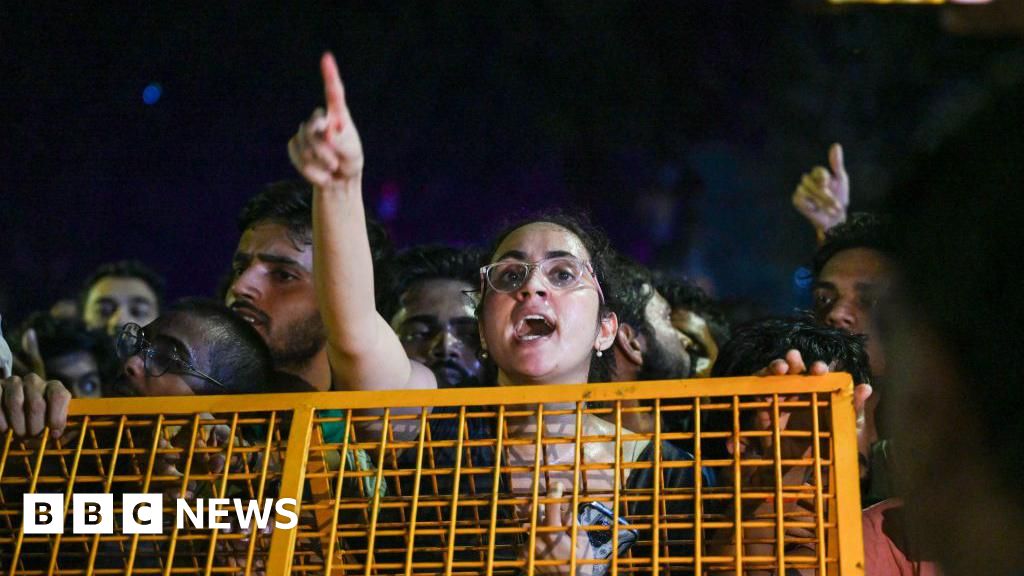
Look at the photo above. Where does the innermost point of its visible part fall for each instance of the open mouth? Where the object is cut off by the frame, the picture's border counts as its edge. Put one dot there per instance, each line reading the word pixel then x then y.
pixel 249 314
pixel 533 327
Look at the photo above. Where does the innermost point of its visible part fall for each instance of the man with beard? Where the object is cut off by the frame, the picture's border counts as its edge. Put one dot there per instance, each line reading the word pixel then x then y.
pixel 272 279
pixel 647 346
pixel 697 316
pixel 430 305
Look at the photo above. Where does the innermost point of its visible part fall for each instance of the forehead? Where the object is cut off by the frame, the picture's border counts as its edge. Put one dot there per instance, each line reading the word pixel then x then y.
pixel 121 288
pixel 657 305
pixel 181 327
pixel 274 238
pixel 856 264
pixel 537 239
pixel 438 297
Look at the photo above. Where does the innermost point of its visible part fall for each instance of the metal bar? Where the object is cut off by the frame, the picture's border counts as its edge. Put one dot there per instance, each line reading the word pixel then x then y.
pixel 455 397
pixel 531 549
pixel 492 525
pixel 847 473
pixel 457 476
pixel 32 488
pixel 780 529
pixel 416 491
pixel 819 511
pixel 375 509
pixel 282 543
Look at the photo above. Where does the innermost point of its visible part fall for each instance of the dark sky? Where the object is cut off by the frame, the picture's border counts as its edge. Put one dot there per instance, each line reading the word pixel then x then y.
pixel 682 127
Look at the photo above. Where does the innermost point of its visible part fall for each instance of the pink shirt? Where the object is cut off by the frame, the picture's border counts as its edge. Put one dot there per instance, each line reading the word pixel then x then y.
pixel 881 556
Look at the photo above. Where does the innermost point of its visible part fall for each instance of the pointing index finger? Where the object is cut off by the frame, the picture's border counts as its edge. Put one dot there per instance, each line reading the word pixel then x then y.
pixel 835 160
pixel 334 92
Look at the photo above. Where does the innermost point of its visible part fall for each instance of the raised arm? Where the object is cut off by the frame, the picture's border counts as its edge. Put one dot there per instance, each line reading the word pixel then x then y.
pixel 823 195
pixel 365 353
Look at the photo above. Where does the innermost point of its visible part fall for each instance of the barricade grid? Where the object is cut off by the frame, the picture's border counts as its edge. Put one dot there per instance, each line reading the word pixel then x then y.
pixel 724 476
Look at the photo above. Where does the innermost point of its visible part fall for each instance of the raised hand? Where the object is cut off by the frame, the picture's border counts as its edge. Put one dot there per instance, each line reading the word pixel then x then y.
pixel 326 149
pixel 822 196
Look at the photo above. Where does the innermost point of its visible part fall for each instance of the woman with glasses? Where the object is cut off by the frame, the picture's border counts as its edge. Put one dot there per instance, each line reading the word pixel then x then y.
pixel 542 314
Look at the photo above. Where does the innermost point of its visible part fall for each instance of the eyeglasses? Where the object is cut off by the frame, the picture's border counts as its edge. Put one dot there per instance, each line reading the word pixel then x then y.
pixel 158 358
pixel 559 273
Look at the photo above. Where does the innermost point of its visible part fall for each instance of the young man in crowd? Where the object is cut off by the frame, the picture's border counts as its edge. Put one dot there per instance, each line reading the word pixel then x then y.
pixel 697 316
pixel 430 301
pixel 118 293
pixel 272 279
pixel 647 346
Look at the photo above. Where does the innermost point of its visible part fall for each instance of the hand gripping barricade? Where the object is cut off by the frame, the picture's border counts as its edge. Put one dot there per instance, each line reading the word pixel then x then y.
pixel 717 476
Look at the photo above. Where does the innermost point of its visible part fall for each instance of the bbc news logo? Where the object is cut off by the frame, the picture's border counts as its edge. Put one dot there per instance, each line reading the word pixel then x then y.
pixel 144 513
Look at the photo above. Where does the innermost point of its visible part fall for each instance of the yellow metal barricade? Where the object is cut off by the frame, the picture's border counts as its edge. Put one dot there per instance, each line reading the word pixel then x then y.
pixel 721 476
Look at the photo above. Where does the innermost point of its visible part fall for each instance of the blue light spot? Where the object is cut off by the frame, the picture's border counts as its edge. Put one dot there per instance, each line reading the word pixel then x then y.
pixel 803 277
pixel 151 94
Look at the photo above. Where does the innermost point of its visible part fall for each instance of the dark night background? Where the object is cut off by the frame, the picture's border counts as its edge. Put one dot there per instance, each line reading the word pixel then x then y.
pixel 682 127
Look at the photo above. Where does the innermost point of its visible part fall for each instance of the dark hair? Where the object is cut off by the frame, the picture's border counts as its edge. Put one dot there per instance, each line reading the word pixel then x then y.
pixel 635 288
pixel 754 345
pixel 683 294
pixel 861 230
pixel 600 250
pixel 125 269
pixel 239 358
pixel 61 336
pixel 426 262
pixel 959 246
pixel 290 203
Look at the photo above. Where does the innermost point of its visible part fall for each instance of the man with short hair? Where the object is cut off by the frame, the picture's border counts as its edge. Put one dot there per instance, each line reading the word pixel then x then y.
pixel 121 292
pixel 429 302
pixel 852 272
pixel 272 286
pixel 196 347
pixel 647 347
pixel 697 316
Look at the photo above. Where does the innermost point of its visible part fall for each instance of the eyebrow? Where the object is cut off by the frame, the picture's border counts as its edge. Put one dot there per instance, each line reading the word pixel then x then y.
pixel 520 255
pixel 268 257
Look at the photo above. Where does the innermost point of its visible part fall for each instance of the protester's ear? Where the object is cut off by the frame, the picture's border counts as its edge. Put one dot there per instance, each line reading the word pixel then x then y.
pixel 628 342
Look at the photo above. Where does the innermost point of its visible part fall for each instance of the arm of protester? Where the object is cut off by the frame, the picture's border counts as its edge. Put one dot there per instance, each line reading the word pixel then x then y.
pixel 823 196
pixel 365 352
pixel 30 403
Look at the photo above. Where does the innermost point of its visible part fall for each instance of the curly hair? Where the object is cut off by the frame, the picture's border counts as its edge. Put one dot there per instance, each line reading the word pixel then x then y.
pixel 688 296
pixel 425 262
pixel 754 345
pixel 861 230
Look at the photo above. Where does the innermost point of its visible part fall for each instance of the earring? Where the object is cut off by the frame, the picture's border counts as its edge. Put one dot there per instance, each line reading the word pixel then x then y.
pixel 483 354
pixel 600 353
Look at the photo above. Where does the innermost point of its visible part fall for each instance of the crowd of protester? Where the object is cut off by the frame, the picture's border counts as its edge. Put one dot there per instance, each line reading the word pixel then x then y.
pixel 920 307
